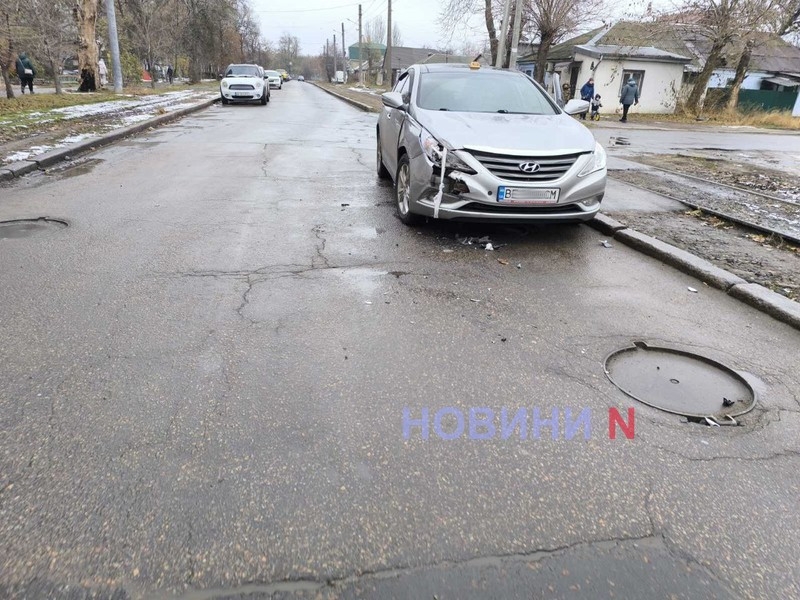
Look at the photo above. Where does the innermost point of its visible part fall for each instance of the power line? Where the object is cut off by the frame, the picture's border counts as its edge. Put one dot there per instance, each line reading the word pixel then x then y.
pixel 306 10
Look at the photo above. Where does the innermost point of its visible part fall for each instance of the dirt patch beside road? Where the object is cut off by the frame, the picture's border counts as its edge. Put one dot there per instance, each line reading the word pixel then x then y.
pixel 371 98
pixel 752 256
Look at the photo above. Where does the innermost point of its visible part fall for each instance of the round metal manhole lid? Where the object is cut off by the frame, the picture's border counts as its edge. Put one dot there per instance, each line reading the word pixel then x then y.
pixel 21 228
pixel 679 382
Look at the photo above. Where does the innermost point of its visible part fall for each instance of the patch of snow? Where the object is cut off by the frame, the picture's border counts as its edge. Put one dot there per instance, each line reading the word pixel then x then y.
pixel 17 156
pixel 74 139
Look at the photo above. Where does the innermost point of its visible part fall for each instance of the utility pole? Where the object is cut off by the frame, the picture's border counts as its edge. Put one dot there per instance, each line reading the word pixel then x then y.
pixel 334 58
pixel 501 46
pixel 344 50
pixel 360 51
pixel 116 65
pixel 387 58
pixel 512 62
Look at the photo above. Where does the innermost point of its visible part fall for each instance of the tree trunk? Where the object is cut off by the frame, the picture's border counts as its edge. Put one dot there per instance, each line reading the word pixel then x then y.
pixel 546 41
pixel 86 15
pixel 6 58
pixel 741 71
pixel 53 66
pixel 694 104
pixel 490 28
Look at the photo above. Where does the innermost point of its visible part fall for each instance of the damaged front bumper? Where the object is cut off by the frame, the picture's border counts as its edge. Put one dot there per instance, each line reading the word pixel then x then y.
pixel 474 195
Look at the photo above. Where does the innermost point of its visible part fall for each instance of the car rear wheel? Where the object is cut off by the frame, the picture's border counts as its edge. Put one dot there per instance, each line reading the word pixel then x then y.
pixel 383 172
pixel 402 192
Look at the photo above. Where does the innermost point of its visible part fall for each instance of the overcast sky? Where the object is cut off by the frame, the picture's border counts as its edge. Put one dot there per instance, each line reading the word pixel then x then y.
pixel 315 20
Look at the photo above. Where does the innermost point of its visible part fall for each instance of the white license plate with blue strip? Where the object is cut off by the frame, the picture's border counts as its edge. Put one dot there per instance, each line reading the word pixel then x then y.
pixel 512 195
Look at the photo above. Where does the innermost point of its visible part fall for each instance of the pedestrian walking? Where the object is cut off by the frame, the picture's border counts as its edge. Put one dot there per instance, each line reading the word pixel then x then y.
pixel 102 69
pixel 629 95
pixel 596 105
pixel 25 71
pixel 170 74
pixel 587 93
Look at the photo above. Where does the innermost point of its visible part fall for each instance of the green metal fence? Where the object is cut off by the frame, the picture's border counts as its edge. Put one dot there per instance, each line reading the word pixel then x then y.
pixel 767 100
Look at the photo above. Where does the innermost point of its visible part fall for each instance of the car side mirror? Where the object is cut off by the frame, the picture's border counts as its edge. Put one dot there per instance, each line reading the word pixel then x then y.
pixel 576 107
pixel 393 100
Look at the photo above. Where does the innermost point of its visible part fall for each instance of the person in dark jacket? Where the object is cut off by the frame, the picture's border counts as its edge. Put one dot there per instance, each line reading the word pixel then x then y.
pixel 25 71
pixel 629 95
pixel 587 93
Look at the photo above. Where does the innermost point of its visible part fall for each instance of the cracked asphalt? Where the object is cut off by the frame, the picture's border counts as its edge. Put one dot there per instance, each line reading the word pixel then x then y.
pixel 203 380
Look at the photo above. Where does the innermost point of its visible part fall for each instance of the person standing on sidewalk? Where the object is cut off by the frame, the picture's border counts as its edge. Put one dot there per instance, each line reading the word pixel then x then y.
pixel 587 93
pixel 629 95
pixel 25 71
pixel 102 70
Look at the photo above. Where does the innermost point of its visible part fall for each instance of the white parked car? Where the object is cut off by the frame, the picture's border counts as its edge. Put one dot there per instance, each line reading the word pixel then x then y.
pixel 244 83
pixel 274 78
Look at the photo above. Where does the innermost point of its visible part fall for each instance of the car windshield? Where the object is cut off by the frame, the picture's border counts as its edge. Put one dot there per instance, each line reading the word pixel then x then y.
pixel 483 92
pixel 242 71
pixel 273 73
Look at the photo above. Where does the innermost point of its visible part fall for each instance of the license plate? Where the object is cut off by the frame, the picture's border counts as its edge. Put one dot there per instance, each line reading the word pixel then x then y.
pixel 511 195
pixel 242 94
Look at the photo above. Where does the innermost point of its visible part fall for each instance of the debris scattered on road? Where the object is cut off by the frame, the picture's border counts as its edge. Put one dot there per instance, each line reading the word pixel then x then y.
pixel 727 402
pixel 474 300
pixel 502 261
pixel 605 244
pixel 367 302
pixel 693 290
pixel 489 247
pixel 519 265
pixel 447 250
pixel 345 204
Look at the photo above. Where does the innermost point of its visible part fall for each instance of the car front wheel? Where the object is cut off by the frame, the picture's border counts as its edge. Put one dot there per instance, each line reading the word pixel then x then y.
pixel 402 192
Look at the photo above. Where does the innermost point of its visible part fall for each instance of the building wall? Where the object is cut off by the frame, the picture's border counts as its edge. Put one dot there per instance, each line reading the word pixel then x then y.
pixel 660 87
pixel 752 81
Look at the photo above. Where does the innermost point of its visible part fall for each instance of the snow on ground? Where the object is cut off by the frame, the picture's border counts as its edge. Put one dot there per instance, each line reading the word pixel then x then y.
pixel 117 114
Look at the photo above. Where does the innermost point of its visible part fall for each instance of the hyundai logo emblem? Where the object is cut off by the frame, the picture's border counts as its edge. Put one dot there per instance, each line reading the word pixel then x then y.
pixel 529 167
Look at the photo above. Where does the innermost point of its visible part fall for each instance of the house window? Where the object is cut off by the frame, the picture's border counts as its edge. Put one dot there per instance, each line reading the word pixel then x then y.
pixel 638 77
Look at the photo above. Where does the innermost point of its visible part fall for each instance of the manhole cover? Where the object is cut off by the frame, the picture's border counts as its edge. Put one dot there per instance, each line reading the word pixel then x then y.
pixel 27 227
pixel 680 382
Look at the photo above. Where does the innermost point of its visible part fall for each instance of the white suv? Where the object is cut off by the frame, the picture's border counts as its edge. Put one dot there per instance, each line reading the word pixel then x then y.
pixel 244 83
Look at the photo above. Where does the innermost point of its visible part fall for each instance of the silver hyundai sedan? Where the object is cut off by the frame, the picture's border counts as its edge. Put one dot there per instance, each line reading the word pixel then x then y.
pixel 468 142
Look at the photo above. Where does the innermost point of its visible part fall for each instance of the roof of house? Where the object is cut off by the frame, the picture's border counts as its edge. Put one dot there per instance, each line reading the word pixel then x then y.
pixel 658 40
pixel 648 53
pixel 352 50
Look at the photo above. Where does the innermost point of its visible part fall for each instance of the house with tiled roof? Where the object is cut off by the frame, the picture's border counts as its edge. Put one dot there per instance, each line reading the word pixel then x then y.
pixel 664 57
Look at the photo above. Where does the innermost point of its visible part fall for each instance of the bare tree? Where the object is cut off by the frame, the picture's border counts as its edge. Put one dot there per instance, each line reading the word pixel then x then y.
pixel 552 20
pixel 723 22
pixel 288 50
pixel 54 32
pixel 86 17
pixel 397 36
pixel 7 10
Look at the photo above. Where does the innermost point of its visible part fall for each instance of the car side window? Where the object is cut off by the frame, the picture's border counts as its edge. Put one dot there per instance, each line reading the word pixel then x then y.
pixel 398 87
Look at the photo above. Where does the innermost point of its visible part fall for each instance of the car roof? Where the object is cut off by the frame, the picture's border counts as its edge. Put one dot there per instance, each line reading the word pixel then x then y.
pixel 456 68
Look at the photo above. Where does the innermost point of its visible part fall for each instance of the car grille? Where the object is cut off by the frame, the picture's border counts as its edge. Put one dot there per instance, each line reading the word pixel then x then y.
pixel 241 86
pixel 515 209
pixel 506 166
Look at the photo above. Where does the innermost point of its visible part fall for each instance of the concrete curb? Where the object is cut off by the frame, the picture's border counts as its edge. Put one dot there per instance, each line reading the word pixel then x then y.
pixel 779 307
pixel 350 101
pixel 48 159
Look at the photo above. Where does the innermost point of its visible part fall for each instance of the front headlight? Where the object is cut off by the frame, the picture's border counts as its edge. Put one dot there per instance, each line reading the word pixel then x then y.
pixel 433 149
pixel 224 84
pixel 597 161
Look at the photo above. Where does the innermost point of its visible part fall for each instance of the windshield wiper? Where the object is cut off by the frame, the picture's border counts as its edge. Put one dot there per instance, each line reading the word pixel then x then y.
pixel 444 109
pixel 503 110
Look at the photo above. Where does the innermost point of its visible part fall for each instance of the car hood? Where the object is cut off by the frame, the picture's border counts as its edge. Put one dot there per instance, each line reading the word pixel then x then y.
pixel 507 134
pixel 235 79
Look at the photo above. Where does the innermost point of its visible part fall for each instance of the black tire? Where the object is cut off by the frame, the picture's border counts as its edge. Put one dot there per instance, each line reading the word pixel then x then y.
pixel 383 172
pixel 264 100
pixel 402 192
pixel 224 100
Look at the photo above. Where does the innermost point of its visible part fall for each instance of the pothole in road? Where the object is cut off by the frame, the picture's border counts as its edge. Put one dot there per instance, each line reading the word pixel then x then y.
pixel 21 228
pixel 681 383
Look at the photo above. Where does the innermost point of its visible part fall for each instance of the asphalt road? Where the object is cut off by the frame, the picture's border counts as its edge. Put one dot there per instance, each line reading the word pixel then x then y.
pixel 203 381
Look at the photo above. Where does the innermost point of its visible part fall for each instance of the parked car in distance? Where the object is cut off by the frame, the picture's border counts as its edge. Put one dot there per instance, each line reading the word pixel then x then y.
pixel 300 78
pixel 274 78
pixel 284 74
pixel 243 83
pixel 510 153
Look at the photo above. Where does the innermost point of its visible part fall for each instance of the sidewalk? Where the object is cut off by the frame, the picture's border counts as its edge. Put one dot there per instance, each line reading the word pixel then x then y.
pixel 38 139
